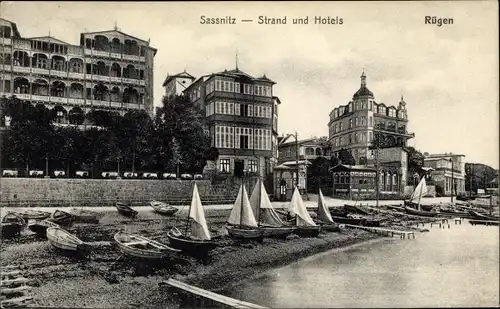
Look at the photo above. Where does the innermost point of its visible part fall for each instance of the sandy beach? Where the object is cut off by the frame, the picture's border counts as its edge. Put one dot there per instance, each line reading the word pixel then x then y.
pixel 107 280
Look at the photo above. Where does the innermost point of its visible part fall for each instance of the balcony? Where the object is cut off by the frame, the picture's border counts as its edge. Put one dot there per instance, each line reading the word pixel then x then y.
pixel 115 79
pixel 59 100
pixel 20 69
pixel 42 98
pixel 5 67
pixel 76 101
pixel 5 41
pixel 59 73
pixel 116 104
pixel 22 96
pixel 75 75
pixel 115 55
pixel 40 71
pixel 101 78
pixel 97 103
pixel 99 53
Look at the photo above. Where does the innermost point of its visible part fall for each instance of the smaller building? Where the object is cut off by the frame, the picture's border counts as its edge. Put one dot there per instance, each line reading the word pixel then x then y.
pixel 448 169
pixel 309 149
pixel 175 84
pixel 353 181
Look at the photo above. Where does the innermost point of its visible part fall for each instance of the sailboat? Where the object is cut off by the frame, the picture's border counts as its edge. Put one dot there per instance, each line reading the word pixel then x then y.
pixel 241 223
pixel 420 190
pixel 324 218
pixel 198 242
pixel 269 222
pixel 304 224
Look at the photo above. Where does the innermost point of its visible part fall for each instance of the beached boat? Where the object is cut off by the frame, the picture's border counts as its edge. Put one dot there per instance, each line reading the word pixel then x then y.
pixel 141 247
pixel 163 208
pixel 349 220
pixel 241 223
pixel 61 218
pixel 323 217
pixel 304 224
pixel 397 208
pixel 196 239
pixel 478 216
pixel 268 220
pixel 416 196
pixel 125 210
pixel 356 209
pixel 40 227
pixel 63 240
pixel 85 216
pixel 11 225
pixel 33 214
pixel 465 198
pixel 421 213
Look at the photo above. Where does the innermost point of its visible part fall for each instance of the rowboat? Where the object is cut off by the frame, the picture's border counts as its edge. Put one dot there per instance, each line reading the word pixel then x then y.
pixel 356 209
pixel 479 216
pixel 349 220
pixel 11 225
pixel 422 213
pixel 163 208
pixel 61 218
pixel 125 210
pixel 198 242
pixel 141 247
pixel 85 216
pixel 241 223
pixel 63 240
pixel 397 208
pixel 40 227
pixel 33 214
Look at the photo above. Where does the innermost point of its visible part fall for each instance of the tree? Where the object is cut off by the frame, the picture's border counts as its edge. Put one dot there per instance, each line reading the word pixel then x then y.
pixel 478 176
pixel 345 157
pixel 415 161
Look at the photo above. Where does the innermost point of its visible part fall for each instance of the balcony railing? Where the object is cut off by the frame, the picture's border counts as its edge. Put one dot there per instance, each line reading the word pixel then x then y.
pixel 42 98
pixel 76 101
pixel 59 100
pixel 5 41
pixel 76 75
pixel 59 73
pixel 99 53
pixel 40 71
pixel 20 69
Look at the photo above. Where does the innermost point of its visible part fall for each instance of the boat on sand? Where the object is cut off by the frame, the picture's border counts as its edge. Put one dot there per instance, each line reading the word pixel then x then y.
pixel 196 239
pixel 11 225
pixel 125 210
pixel 63 240
pixel 40 227
pixel 141 247
pixel 163 208
pixel 304 224
pixel 241 223
pixel 85 216
pixel 323 217
pixel 61 218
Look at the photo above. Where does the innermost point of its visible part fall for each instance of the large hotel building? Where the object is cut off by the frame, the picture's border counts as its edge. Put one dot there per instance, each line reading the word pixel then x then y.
pixel 357 126
pixel 241 114
pixel 108 70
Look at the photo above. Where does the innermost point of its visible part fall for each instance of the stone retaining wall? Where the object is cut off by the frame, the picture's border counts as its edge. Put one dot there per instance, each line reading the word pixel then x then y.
pixel 16 191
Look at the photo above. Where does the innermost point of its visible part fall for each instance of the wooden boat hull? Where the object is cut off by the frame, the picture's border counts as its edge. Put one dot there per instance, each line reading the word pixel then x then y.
pixel 143 253
pixel 479 216
pixel 278 232
pixel 65 241
pixel 245 233
pixel 372 223
pixel 11 229
pixel 163 209
pixel 355 209
pixel 86 216
pixel 402 209
pixel 330 227
pixel 198 248
pixel 308 231
pixel 422 213
pixel 126 211
pixel 484 222
pixel 61 218
pixel 347 220
pixel 40 227
pixel 415 206
pixel 33 215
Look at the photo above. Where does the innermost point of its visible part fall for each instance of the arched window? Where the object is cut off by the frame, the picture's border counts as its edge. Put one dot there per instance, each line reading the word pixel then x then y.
pixel 336 178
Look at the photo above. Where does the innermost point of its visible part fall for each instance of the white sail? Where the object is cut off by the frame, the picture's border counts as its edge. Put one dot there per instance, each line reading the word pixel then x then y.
pixel 242 213
pixel 200 228
pixel 420 190
pixel 255 199
pixel 298 209
pixel 323 213
pixel 268 214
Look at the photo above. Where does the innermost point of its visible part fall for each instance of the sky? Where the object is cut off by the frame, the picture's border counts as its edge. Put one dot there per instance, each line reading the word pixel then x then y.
pixel 449 75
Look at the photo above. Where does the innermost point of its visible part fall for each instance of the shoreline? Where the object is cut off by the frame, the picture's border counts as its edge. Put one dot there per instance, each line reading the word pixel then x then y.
pixel 106 280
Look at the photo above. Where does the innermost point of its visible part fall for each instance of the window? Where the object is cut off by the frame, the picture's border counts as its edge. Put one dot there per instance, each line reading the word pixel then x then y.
pixel 340 126
pixel 356 137
pixel 356 122
pixel 225 165
pixel 224 137
pixel 350 123
pixel 334 128
pixel 341 141
pixel 357 106
pixel 363 120
pixel 375 109
pixel 217 85
pixel 370 121
pixel 350 107
pixel 252 166
pixel 350 139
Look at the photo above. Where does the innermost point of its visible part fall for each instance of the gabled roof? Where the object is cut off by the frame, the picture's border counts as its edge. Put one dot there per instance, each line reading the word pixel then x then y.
pixel 202 78
pixel 49 39
pixel 116 32
pixel 237 73
pixel 16 33
pixel 181 75
pixel 352 167
pixel 300 142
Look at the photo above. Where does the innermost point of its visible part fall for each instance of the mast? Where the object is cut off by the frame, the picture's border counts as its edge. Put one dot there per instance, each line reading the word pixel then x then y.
pixel 241 201
pixel 189 212
pixel 319 197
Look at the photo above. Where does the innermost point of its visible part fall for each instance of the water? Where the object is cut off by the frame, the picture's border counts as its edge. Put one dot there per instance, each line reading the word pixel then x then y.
pixel 453 267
